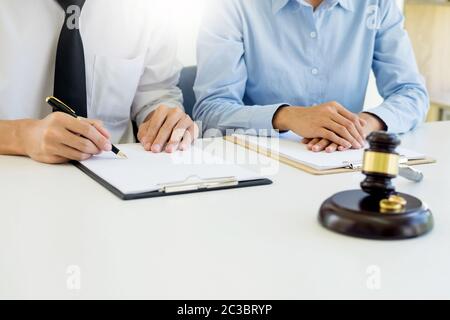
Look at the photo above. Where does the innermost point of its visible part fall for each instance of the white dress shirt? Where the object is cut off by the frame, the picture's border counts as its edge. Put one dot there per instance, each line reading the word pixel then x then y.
pixel 130 54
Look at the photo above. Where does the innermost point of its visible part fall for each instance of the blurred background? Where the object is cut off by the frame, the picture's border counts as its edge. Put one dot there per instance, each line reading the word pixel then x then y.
pixel 428 24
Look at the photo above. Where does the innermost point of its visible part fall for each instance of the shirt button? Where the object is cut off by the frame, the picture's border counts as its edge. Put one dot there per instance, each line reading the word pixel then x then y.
pixel 315 71
pixel 313 34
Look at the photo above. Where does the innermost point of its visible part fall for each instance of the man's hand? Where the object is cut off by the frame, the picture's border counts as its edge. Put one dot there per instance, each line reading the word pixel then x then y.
pixel 373 123
pixel 60 138
pixel 328 122
pixel 370 124
pixel 167 129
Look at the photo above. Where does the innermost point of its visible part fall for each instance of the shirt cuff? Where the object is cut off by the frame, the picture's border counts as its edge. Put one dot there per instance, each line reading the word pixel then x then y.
pixel 262 118
pixel 143 114
pixel 387 116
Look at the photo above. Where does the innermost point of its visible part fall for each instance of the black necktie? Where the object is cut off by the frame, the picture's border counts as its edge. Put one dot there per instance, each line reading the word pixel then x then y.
pixel 70 70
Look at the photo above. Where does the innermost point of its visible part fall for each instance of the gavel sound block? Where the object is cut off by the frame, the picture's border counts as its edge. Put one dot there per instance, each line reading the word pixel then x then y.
pixel 377 211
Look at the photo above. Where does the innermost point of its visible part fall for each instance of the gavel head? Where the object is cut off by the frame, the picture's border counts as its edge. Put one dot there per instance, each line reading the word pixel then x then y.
pixel 381 164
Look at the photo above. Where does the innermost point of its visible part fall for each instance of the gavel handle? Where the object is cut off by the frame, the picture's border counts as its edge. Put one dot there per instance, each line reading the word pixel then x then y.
pixel 410 173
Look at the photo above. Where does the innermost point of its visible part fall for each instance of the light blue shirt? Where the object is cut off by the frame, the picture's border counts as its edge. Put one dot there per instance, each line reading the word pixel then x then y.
pixel 257 55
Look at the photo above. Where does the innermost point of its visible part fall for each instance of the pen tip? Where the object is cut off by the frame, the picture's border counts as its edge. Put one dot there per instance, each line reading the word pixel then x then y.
pixel 122 155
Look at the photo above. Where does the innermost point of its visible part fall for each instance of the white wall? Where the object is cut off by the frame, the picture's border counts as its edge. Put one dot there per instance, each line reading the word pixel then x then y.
pixel 187 20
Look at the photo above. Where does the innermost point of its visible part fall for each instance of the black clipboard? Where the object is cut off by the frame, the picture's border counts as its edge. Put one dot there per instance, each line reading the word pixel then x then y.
pixel 157 194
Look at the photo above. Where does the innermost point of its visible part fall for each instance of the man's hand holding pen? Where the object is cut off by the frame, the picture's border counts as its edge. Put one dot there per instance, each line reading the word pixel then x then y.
pixel 60 138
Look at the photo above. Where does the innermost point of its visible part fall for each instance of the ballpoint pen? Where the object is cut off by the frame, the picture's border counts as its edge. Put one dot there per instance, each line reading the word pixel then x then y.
pixel 62 107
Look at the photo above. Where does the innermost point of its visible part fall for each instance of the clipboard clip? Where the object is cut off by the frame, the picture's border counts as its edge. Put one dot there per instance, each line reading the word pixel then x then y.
pixel 357 166
pixel 194 183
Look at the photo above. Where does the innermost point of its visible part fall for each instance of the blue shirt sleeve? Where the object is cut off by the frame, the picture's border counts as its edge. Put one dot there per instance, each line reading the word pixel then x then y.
pixel 399 82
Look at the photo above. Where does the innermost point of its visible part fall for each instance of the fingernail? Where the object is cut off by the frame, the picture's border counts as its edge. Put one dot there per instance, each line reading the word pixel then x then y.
pixel 316 148
pixel 108 146
pixel 170 148
pixel 156 148
pixel 147 146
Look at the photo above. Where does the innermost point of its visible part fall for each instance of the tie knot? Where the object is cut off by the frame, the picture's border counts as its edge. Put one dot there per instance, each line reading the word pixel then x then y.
pixel 67 3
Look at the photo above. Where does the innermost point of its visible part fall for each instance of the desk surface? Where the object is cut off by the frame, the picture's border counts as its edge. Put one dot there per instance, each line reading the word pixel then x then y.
pixel 256 243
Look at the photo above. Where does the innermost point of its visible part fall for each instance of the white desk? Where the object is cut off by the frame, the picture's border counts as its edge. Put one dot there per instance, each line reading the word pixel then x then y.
pixel 256 243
